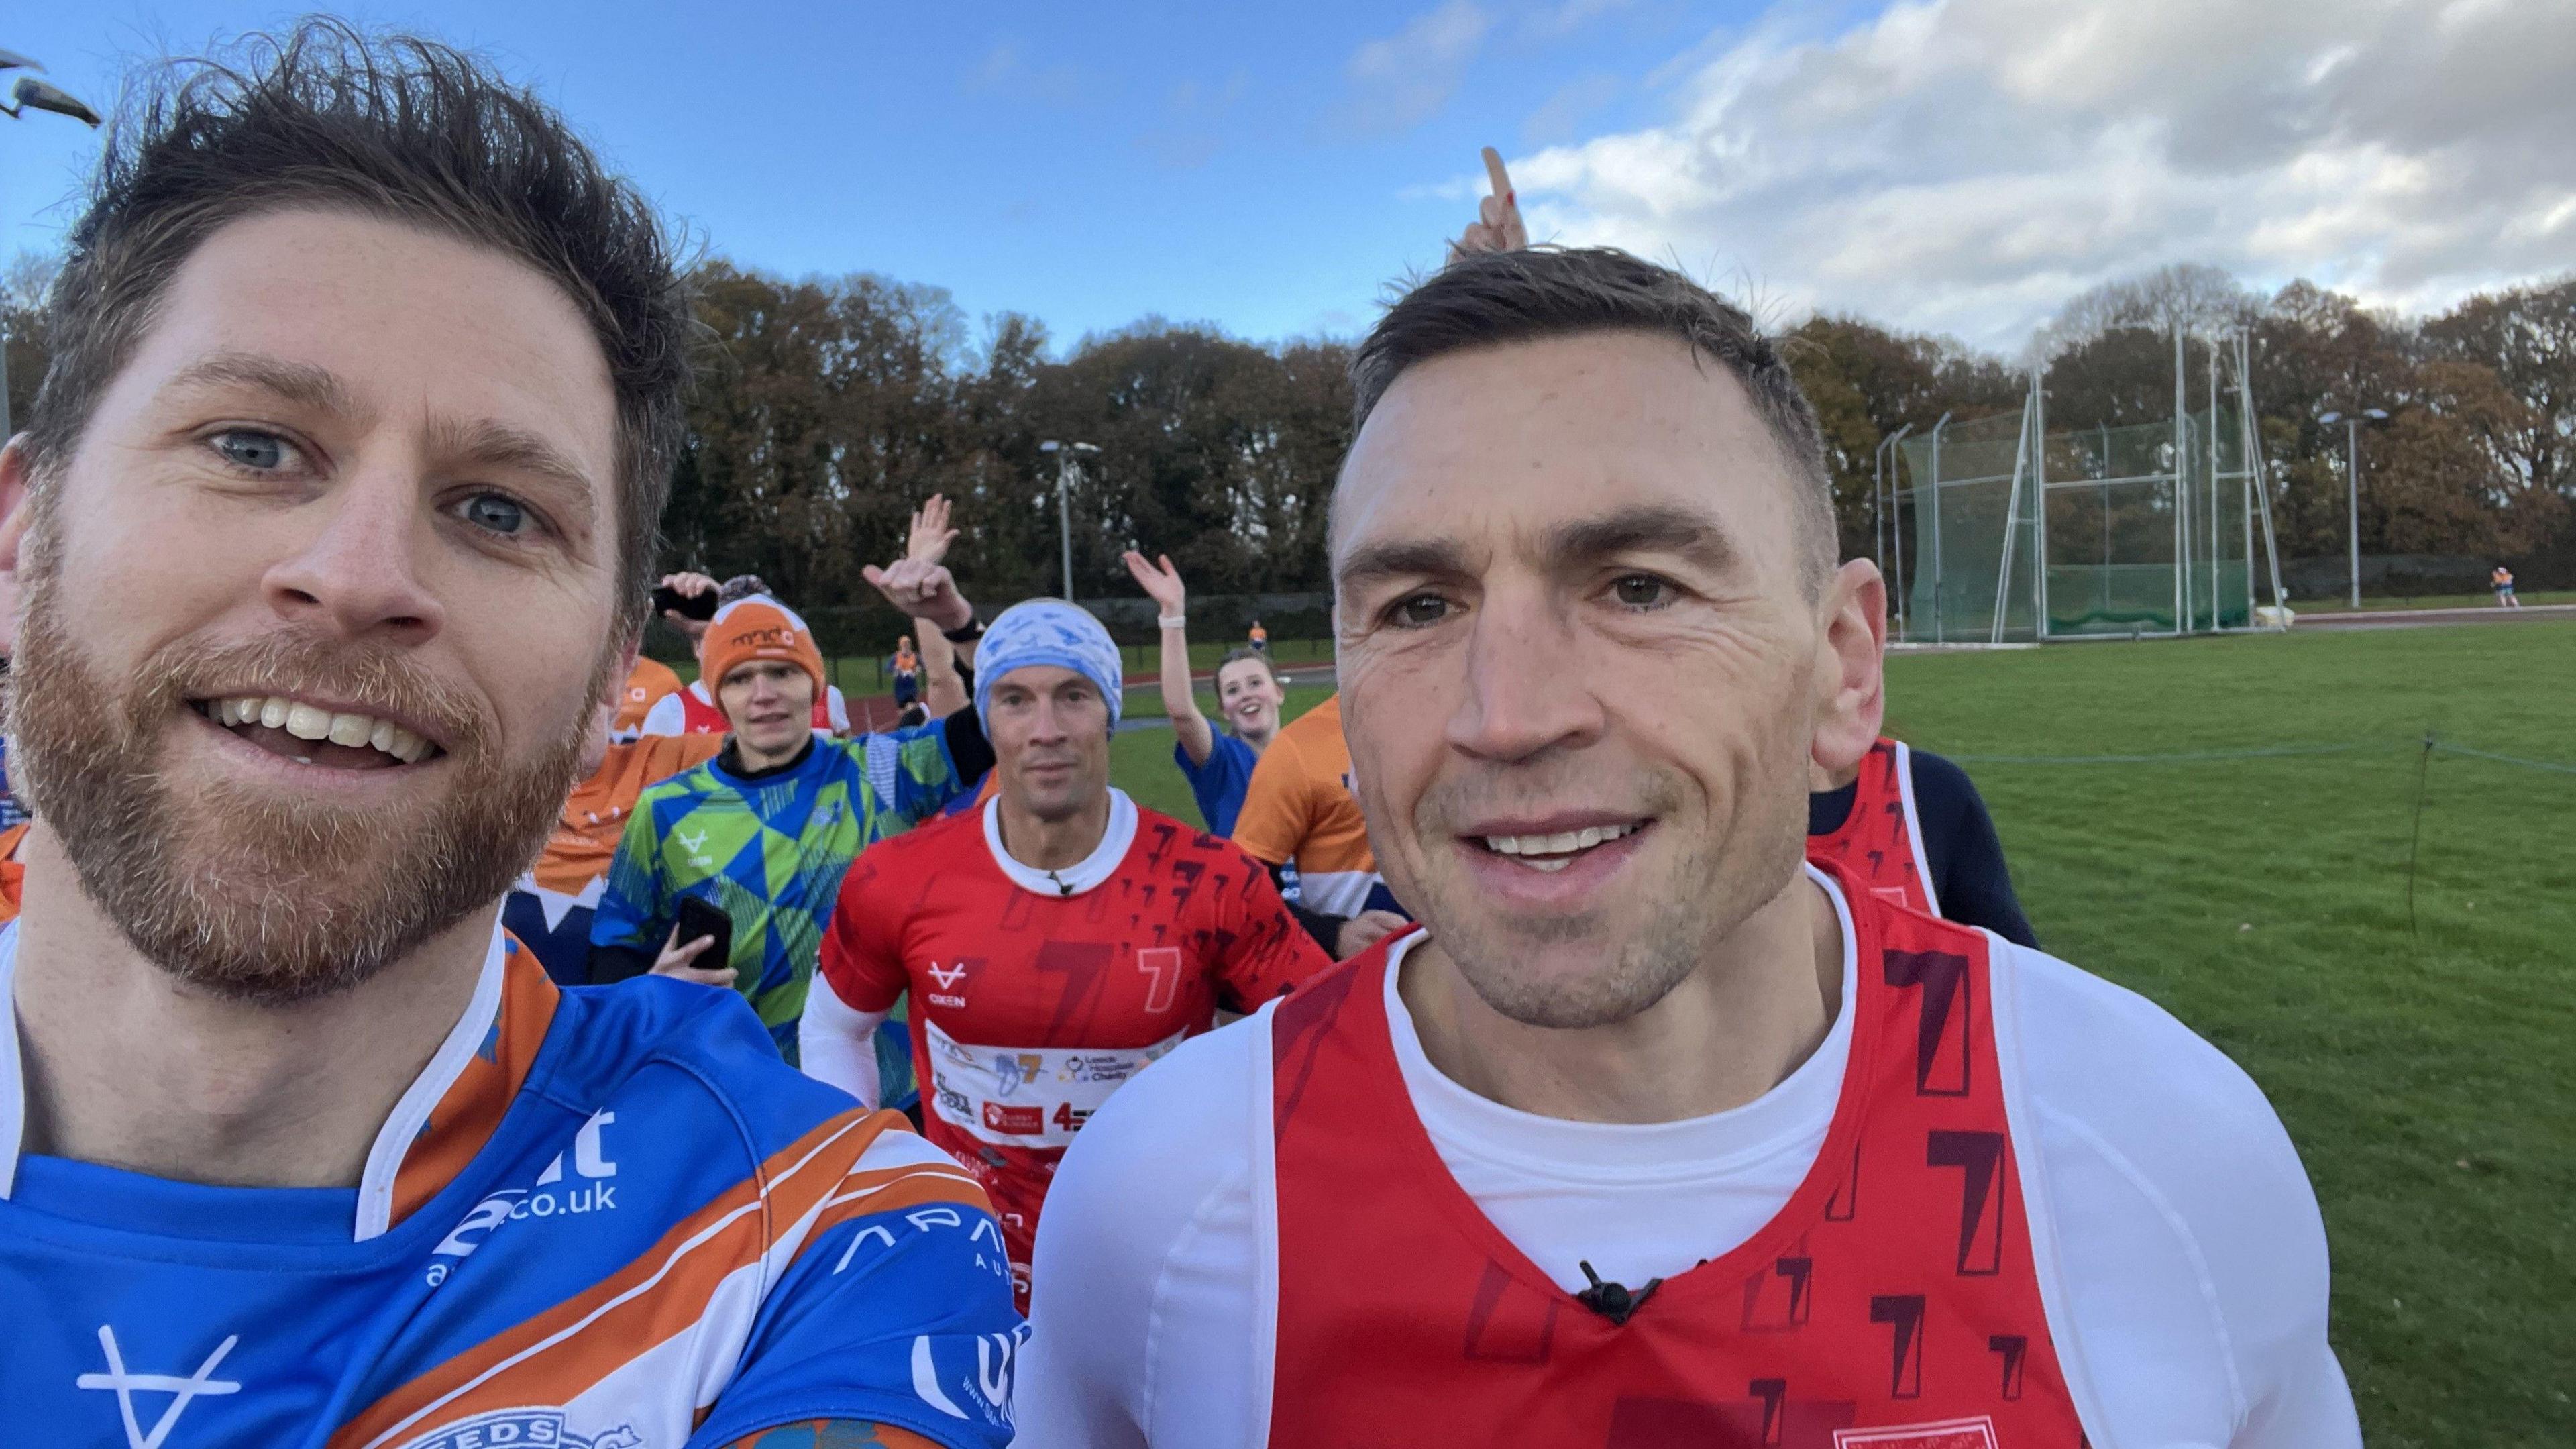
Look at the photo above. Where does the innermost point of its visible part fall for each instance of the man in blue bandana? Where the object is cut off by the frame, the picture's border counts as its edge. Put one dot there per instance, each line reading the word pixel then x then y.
pixel 1054 943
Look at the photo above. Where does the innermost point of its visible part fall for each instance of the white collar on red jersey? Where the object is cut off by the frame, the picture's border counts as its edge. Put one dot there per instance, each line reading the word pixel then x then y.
pixel 1096 867
pixel 403 1127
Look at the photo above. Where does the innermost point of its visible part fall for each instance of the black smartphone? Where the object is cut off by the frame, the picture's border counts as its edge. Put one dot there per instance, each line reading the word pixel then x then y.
pixel 668 600
pixel 705 918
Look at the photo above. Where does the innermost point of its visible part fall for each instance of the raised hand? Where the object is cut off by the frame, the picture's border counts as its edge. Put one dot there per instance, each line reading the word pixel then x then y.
pixel 930 535
pixel 1160 581
pixel 923 590
pixel 1497 227
pixel 689 586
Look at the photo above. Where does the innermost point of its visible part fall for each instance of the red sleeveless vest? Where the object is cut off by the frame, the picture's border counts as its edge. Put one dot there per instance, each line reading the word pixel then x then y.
pixel 1891 1304
pixel 1879 848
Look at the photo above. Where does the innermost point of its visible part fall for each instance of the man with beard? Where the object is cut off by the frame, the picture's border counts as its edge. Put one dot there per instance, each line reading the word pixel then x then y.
pixel 295 1147
pixel 1056 942
pixel 1656 1134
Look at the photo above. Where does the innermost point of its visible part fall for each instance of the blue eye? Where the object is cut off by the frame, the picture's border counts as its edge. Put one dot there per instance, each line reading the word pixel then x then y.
pixel 495 512
pixel 258 452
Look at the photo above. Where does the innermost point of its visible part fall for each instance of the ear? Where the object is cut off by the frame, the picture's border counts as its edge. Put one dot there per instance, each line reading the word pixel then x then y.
pixel 1851 646
pixel 13 537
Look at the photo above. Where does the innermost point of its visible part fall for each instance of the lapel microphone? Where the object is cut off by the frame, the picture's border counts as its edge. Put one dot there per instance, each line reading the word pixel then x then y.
pixel 1611 1300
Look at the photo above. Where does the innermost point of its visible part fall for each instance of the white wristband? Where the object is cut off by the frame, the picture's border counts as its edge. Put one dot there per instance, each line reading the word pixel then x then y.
pixel 1173 621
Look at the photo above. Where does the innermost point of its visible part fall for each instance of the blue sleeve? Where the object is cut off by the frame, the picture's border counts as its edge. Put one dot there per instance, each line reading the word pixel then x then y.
pixel 910 770
pixel 901 1318
pixel 1218 785
pixel 1965 857
pixel 632 904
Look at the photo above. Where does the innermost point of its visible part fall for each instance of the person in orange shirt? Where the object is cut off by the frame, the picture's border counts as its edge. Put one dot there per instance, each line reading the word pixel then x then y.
pixel 550 909
pixel 1300 818
pixel 647 684
pixel 1260 637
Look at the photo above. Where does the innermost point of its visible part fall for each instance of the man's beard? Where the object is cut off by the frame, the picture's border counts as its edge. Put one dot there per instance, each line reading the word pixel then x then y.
pixel 246 892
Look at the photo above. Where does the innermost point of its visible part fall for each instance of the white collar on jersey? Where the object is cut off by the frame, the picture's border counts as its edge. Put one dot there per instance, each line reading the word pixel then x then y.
pixel 1073 880
pixel 384 1158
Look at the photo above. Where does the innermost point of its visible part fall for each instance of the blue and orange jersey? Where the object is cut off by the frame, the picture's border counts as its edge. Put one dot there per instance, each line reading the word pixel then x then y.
pixel 602 1218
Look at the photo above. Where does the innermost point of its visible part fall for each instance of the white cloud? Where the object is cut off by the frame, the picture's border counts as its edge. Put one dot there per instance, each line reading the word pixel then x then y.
pixel 1399 81
pixel 1965 165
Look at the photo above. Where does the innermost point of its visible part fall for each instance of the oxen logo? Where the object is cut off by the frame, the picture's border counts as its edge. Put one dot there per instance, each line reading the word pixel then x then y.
pixel 524 1429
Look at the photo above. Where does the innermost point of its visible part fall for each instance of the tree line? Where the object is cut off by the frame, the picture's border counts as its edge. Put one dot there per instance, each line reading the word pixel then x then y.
pixel 829 406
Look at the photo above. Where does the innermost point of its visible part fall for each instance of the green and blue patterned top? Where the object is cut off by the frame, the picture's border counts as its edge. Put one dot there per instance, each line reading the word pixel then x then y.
pixel 771 852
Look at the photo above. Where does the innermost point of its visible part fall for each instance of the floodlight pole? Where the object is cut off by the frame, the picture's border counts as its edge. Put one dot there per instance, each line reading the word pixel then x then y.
pixel 2352 502
pixel 1065 468
pixel 2352 485
pixel 32 94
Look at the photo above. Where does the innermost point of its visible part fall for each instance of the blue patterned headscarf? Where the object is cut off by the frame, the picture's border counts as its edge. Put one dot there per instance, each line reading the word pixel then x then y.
pixel 1047 631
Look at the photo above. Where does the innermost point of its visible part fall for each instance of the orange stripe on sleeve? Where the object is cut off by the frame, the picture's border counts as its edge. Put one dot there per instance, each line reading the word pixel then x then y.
pixel 554 1356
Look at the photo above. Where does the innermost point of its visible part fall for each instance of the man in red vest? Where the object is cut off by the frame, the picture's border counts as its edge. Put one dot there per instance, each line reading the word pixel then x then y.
pixel 1656 1134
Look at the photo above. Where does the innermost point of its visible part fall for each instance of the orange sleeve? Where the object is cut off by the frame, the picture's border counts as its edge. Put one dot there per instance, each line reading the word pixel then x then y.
pixel 1276 805
pixel 862 958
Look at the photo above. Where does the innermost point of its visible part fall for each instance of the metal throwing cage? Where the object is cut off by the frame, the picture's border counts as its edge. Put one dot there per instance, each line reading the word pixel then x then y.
pixel 2006 532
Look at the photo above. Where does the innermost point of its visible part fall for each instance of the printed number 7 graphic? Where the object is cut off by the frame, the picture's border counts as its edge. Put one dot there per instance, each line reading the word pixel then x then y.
pixel 1162 968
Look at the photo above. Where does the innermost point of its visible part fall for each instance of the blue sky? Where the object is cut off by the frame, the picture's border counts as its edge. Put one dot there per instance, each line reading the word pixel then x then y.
pixel 1951 166
pixel 1255 166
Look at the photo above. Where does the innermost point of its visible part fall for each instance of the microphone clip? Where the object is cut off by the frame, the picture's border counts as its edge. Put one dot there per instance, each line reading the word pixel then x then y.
pixel 1613 1301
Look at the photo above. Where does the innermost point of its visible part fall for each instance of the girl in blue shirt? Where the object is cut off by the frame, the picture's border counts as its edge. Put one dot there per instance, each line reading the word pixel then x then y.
pixel 1248 691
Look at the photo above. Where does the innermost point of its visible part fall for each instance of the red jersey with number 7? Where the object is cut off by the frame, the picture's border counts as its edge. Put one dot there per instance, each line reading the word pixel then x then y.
pixel 1036 994
pixel 1892 1303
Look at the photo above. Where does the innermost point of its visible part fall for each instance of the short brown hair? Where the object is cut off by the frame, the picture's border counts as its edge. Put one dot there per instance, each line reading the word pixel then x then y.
pixel 1492 298
pixel 1243 654
pixel 395 127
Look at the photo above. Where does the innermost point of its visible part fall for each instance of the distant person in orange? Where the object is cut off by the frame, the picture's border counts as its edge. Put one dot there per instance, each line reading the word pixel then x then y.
pixel 647 684
pixel 551 907
pixel 1301 819
pixel 1260 637
pixel 907 672
pixel 2502 582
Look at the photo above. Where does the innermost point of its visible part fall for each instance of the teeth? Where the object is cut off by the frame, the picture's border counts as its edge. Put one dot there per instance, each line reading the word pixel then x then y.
pixel 309 722
pixel 1561 844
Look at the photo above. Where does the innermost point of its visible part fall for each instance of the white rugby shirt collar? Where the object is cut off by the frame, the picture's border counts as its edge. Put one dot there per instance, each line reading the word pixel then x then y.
pixel 1094 868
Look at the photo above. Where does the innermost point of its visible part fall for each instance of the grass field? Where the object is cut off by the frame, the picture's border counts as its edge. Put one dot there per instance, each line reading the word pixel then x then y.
pixel 2426 1068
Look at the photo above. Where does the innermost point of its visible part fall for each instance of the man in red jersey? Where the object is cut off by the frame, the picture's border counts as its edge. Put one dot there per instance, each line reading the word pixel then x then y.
pixel 1656 1134
pixel 1055 942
